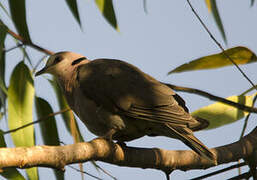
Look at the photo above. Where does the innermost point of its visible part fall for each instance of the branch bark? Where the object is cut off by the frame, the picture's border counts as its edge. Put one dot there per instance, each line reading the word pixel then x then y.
pixel 101 150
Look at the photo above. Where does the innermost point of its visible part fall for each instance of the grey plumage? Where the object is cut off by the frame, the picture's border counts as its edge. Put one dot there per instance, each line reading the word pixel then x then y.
pixel 116 100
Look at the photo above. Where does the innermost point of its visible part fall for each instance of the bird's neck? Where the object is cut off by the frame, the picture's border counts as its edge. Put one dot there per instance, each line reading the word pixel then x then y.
pixel 68 81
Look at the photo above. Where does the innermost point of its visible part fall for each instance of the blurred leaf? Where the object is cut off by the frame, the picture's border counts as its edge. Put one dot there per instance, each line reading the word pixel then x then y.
pixel 20 105
pixel 4 9
pixel 68 117
pixel 106 8
pixel 212 7
pixel 3 89
pixel 252 2
pixel 48 128
pixel 9 173
pixel 74 9
pixel 145 6
pixel 219 114
pixel 240 55
pixel 18 13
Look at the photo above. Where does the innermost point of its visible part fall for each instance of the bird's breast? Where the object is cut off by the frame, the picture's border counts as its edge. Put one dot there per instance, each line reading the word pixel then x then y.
pixel 98 120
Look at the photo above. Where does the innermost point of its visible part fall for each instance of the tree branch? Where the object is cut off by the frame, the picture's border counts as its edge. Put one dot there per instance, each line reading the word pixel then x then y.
pixel 212 97
pixel 25 42
pixel 101 150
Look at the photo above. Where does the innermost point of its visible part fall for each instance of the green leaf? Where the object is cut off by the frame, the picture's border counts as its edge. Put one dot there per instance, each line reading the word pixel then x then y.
pixel 9 173
pixel 240 55
pixel 18 13
pixel 219 114
pixel 106 8
pixel 20 105
pixel 68 117
pixel 212 7
pixel 3 89
pixel 12 174
pixel 74 9
pixel 48 128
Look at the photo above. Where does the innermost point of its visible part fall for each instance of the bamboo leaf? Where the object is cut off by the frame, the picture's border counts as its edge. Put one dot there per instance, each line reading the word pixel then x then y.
pixel 241 55
pixel 20 105
pixel 74 9
pixel 48 128
pixel 219 114
pixel 212 7
pixel 9 173
pixel 106 8
pixel 252 2
pixel 18 13
pixel 3 89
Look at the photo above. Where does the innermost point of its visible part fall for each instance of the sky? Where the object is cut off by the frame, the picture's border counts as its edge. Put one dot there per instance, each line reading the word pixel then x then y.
pixel 158 41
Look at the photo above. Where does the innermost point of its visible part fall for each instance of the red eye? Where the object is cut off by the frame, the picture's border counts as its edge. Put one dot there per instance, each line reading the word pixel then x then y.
pixel 57 59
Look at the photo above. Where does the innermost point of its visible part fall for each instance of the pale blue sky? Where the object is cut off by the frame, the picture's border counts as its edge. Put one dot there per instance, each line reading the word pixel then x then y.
pixel 168 36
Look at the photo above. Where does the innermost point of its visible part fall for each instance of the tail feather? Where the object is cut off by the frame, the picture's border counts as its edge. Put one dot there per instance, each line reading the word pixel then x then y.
pixel 190 140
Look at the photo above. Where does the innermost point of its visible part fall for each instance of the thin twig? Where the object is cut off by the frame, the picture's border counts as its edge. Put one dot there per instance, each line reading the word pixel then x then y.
pixel 12 48
pixel 247 118
pixel 220 171
pixel 246 175
pixel 39 120
pixel 213 97
pixel 219 45
pixel 93 176
pixel 25 42
pixel 104 171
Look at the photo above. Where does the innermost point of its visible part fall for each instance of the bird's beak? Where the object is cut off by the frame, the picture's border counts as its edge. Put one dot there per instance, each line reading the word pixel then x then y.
pixel 42 71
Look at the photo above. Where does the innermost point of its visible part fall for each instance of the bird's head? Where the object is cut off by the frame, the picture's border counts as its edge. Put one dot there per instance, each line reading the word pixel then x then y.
pixel 61 63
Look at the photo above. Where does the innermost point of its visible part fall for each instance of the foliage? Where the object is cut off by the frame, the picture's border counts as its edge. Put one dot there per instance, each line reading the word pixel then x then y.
pixel 20 93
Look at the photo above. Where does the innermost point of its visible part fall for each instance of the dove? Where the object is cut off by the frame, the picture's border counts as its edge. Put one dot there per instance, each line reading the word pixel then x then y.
pixel 117 101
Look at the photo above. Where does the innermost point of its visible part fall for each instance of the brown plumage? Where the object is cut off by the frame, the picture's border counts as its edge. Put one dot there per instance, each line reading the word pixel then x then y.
pixel 116 100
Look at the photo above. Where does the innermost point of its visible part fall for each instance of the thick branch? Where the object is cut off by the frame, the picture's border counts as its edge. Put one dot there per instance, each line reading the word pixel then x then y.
pixel 102 150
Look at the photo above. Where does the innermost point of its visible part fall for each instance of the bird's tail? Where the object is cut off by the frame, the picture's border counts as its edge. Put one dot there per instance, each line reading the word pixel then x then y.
pixel 190 140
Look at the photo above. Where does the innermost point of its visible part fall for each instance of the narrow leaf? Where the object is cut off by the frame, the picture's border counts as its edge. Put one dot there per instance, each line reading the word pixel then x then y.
pixel 68 117
pixel 252 2
pixel 9 173
pixel 18 13
pixel 219 114
pixel 3 89
pixel 20 105
pixel 106 8
pixel 240 55
pixel 48 128
pixel 74 9
pixel 212 7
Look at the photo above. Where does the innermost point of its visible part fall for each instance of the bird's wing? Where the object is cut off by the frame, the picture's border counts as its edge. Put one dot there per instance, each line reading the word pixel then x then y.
pixel 123 88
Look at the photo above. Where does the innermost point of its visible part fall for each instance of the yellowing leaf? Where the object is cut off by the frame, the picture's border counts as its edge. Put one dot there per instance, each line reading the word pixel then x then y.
pixel 9 173
pixel 106 8
pixel 219 114
pixel 20 105
pixel 241 55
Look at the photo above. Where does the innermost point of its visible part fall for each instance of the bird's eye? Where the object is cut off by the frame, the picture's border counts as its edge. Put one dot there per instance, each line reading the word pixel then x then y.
pixel 57 59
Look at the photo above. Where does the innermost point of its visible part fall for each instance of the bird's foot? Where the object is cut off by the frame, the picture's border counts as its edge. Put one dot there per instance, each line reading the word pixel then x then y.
pixel 108 137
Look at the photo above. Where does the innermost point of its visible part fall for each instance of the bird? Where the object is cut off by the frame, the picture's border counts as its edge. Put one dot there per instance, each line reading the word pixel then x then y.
pixel 118 101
